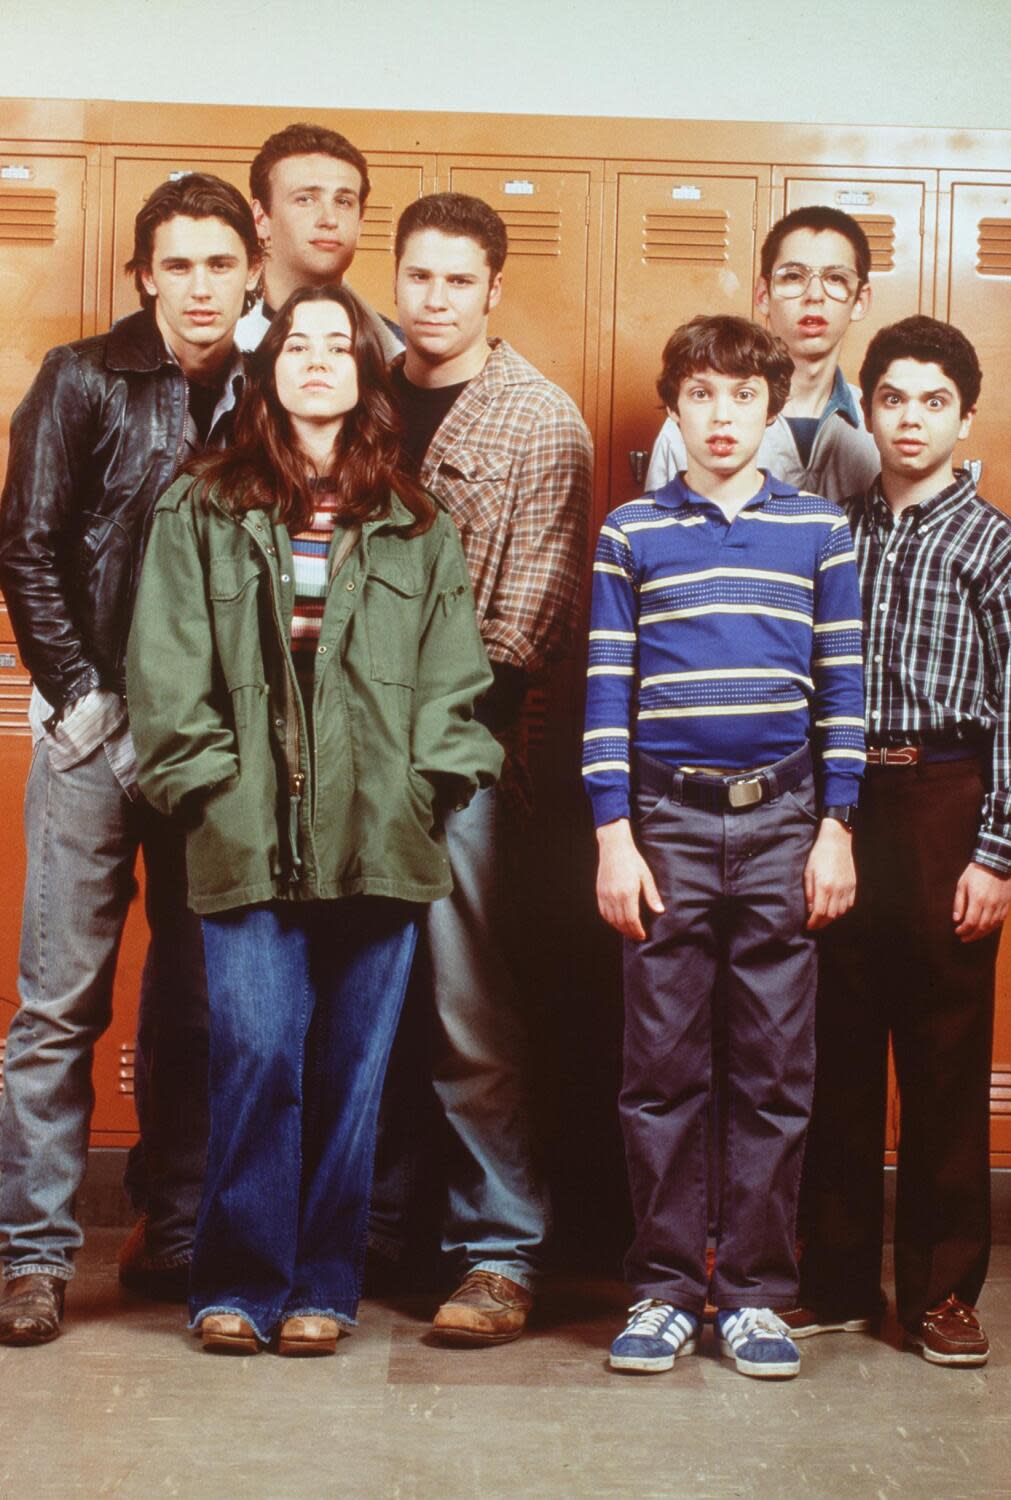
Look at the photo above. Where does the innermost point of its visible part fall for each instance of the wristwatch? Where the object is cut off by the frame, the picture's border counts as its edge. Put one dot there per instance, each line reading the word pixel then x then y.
pixel 843 812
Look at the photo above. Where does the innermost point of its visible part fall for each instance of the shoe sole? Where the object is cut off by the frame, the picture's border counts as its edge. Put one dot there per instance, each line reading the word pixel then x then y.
pixel 648 1366
pixel 934 1358
pixel 761 1370
pixel 851 1325
pixel 229 1343
pixel 306 1346
pixel 16 1339
pixel 464 1338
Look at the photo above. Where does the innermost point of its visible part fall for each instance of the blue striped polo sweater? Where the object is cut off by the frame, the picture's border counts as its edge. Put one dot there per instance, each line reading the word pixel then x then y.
pixel 723 644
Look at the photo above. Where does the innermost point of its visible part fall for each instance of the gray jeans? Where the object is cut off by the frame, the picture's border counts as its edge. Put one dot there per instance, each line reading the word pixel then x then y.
pixel 465 996
pixel 732 936
pixel 82 835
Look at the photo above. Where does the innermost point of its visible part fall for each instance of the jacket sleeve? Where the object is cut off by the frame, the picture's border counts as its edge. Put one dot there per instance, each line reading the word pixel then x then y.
pixel 184 743
pixel 51 442
pixel 447 740
pixel 534 612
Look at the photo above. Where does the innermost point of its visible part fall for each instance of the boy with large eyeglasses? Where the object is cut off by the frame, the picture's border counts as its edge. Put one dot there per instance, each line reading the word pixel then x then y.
pixel 814 283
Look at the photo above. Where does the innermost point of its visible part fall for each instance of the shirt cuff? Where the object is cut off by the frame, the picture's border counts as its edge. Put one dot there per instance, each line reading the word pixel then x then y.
pixel 609 805
pixel 994 851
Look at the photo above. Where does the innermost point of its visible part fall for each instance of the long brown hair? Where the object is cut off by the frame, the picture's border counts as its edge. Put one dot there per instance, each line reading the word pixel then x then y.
pixel 263 469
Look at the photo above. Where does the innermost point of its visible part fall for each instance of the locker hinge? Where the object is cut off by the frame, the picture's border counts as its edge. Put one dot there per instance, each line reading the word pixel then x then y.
pixel 922 218
pixel 84 194
pixel 754 213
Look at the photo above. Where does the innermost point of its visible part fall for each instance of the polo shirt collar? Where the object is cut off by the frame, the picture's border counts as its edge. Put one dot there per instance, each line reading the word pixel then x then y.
pixel 677 493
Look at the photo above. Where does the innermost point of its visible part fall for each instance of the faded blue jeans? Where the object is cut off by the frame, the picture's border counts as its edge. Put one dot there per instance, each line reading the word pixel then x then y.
pixel 304 1002
pixel 82 835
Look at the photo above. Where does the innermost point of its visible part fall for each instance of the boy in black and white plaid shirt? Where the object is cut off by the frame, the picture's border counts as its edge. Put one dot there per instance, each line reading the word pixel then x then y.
pixel 915 958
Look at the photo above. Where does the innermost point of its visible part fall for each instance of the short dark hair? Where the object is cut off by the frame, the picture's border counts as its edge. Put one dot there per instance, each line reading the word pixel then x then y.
pixel 818 217
pixel 194 195
pixel 303 140
pixel 457 214
pixel 933 343
pixel 729 346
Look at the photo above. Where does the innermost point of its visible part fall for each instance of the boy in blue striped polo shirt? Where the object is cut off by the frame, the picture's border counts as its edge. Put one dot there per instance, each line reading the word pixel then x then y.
pixel 724 677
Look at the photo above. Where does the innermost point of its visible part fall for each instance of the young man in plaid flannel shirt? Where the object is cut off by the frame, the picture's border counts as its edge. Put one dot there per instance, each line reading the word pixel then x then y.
pixel 508 455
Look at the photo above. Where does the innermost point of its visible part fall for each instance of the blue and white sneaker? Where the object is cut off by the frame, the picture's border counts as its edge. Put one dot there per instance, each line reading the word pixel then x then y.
pixel 655 1335
pixel 759 1342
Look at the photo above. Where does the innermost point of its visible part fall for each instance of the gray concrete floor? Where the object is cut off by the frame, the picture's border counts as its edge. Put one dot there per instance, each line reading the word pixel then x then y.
pixel 125 1404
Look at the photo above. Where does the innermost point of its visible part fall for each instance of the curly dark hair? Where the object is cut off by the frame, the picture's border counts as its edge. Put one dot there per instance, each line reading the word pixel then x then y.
pixel 729 346
pixel 933 343
pixel 264 470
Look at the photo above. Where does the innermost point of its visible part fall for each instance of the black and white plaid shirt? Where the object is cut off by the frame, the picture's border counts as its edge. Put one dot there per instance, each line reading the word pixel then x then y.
pixel 935 583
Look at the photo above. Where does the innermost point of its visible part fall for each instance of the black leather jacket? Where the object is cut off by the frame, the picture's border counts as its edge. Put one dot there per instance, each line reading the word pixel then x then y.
pixel 98 438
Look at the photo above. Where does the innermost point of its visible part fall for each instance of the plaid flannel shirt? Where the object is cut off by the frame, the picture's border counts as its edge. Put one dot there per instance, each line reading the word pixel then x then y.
pixel 512 463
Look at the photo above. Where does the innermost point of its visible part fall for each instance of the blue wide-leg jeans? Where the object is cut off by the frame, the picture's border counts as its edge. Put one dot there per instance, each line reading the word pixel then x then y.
pixel 304 1002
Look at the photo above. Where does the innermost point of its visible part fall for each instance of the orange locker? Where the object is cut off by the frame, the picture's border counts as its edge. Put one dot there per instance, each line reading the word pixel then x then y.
pixel 46 295
pixel 543 311
pixel 685 244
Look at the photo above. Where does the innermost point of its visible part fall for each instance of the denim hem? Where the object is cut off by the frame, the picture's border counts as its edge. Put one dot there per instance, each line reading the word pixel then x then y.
pixel 62 1273
pixel 237 1312
pixel 524 1276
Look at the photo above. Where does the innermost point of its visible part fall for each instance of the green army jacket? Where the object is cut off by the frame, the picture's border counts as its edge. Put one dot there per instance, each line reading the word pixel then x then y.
pixel 222 735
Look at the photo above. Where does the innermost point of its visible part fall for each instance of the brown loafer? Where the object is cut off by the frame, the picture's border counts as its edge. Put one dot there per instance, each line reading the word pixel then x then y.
pixel 31 1308
pixel 228 1333
pixel 309 1334
pixel 950 1334
pixel 485 1309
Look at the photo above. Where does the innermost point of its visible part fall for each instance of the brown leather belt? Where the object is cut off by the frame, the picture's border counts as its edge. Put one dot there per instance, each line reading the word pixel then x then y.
pixel 914 755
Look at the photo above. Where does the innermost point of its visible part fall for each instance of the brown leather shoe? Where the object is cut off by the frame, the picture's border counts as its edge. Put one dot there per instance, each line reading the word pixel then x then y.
pixel 228 1333
pixel 31 1308
pixel 950 1334
pixel 308 1333
pixel 485 1309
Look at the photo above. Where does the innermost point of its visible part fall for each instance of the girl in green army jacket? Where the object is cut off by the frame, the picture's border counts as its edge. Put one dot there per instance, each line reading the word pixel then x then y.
pixel 301 675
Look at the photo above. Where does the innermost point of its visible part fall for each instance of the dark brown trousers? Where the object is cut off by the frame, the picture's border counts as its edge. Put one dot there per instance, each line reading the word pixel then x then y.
pixel 893 967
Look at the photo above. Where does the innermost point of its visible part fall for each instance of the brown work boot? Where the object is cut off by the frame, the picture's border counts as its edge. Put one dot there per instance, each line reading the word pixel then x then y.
pixel 485 1309
pixel 31 1308
pixel 950 1334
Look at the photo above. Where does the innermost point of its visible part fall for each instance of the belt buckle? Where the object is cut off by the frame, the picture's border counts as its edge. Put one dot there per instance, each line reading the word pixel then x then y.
pixel 745 793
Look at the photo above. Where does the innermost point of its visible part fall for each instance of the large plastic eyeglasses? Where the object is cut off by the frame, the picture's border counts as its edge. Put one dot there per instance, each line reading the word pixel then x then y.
pixel 794 278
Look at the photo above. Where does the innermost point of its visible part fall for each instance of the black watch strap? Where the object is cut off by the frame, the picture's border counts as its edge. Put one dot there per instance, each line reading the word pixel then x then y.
pixel 841 812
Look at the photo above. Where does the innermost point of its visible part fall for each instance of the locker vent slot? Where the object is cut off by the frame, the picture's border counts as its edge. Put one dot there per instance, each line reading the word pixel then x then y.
pixel 993 243
pixel 1000 1089
pixel 126 1067
pixel 880 232
pixel 15 691
pixel 533 231
pixel 27 215
pixel 377 228
pixel 692 236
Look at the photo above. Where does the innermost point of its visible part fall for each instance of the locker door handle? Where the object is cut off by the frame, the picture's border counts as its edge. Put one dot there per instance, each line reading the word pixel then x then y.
pixel 975 467
pixel 638 462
